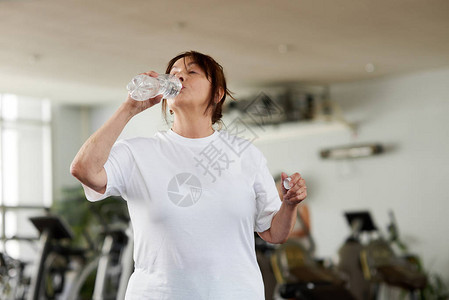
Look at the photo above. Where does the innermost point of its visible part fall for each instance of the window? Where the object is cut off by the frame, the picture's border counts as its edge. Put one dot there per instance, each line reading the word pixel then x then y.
pixel 25 167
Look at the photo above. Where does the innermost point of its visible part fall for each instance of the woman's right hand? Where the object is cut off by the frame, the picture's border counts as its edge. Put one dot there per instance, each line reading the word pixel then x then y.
pixel 139 106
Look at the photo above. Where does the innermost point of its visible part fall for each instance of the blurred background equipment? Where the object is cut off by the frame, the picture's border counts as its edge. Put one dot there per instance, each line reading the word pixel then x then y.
pixel 352 151
pixel 373 264
pixel 87 257
pixel 294 272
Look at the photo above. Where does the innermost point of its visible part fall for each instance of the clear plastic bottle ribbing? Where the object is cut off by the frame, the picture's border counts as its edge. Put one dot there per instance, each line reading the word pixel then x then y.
pixel 144 87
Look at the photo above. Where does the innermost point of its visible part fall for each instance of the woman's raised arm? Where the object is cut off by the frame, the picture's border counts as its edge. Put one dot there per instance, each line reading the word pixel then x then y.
pixel 88 164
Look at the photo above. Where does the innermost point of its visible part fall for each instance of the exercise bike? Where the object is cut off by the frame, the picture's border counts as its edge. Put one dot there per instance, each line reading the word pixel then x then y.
pixel 54 257
pixel 374 264
pixel 13 282
pixel 100 271
pixel 112 263
pixel 300 275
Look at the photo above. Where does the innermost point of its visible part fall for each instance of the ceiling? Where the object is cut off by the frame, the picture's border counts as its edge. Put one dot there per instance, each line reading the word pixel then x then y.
pixel 80 51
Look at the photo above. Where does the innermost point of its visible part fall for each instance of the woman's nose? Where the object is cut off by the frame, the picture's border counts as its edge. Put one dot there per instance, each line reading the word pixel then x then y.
pixel 180 76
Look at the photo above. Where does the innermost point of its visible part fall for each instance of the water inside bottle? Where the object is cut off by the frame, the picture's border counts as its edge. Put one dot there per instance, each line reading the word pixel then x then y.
pixel 170 85
pixel 143 87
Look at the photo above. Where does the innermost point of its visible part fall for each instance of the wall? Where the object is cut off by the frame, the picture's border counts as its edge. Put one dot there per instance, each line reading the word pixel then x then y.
pixel 144 124
pixel 71 127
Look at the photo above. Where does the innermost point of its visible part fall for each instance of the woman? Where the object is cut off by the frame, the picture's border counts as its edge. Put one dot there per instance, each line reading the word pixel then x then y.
pixel 195 195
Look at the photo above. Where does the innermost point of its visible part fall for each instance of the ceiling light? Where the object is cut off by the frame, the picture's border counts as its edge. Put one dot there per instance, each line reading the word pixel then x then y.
pixel 180 25
pixel 283 48
pixel 369 68
pixel 34 58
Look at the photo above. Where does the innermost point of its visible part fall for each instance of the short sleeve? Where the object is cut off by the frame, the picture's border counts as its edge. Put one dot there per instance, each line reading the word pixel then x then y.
pixel 268 202
pixel 119 168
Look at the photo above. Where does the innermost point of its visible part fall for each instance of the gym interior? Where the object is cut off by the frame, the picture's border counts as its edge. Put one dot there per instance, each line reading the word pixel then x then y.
pixel 351 94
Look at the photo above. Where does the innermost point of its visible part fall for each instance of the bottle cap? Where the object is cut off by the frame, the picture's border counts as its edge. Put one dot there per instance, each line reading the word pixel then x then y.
pixel 286 183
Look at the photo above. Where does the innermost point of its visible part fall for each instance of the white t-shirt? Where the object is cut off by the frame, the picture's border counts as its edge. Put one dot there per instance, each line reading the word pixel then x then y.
pixel 194 206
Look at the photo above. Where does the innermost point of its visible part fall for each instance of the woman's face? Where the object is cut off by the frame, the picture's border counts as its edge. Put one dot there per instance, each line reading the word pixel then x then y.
pixel 196 87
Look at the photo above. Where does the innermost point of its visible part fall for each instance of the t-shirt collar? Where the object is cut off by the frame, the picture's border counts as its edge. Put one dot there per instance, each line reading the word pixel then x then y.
pixel 192 141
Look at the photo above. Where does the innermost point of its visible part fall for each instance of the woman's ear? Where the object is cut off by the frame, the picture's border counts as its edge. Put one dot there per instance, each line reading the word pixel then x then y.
pixel 219 95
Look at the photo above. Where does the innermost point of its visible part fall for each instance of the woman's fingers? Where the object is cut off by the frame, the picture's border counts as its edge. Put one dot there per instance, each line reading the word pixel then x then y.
pixel 298 189
pixel 151 73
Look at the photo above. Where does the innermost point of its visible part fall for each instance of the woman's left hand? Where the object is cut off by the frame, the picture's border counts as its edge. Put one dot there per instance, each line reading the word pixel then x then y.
pixel 297 191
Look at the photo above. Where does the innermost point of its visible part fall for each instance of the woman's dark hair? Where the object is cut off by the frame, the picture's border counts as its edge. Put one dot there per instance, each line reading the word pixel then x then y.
pixel 215 75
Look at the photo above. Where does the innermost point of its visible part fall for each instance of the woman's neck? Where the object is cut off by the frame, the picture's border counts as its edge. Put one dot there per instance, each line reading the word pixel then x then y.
pixel 191 127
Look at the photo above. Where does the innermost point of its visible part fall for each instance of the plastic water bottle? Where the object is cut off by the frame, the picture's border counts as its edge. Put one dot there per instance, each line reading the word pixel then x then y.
pixel 144 87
